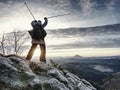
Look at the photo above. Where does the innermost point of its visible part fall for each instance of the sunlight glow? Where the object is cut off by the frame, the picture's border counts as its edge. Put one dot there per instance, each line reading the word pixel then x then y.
pixel 36 53
pixel 85 52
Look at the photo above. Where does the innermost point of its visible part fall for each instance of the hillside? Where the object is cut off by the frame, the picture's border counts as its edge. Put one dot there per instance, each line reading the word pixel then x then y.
pixel 97 70
pixel 112 82
pixel 19 74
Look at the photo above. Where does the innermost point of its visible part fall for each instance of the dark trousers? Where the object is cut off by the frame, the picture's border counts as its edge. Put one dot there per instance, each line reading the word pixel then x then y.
pixel 42 55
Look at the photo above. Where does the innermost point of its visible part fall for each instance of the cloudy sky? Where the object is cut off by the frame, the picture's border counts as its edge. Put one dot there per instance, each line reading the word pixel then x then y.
pixel 84 13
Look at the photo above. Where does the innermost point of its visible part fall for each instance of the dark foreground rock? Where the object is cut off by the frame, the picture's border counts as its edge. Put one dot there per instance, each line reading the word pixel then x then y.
pixel 18 74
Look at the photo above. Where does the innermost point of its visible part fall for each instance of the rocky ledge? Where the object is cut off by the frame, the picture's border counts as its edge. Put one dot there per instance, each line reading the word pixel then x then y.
pixel 18 74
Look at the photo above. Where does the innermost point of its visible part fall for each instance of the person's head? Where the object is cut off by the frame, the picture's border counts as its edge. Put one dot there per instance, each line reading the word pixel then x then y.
pixel 34 23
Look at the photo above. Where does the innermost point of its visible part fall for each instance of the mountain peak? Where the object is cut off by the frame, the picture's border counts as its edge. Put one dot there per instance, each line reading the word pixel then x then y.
pixel 19 74
pixel 77 56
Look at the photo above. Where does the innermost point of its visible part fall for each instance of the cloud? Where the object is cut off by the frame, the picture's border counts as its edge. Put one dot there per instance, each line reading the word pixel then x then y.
pixel 103 68
pixel 113 5
pixel 11 8
pixel 88 44
pixel 4 7
pixel 83 12
pixel 99 37
pixel 88 6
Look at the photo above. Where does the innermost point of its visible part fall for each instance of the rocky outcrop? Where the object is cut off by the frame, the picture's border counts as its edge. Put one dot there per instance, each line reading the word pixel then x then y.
pixel 113 82
pixel 18 74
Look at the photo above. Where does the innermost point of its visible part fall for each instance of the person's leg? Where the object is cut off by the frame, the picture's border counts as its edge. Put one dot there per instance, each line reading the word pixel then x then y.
pixel 31 51
pixel 43 53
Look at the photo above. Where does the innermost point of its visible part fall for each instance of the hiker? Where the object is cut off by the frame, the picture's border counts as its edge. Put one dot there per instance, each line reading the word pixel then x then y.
pixel 38 34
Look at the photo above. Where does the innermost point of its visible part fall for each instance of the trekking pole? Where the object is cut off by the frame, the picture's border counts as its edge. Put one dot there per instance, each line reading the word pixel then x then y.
pixel 29 10
pixel 58 15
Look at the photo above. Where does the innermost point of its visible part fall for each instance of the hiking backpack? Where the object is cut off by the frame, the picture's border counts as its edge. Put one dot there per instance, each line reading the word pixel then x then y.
pixel 38 33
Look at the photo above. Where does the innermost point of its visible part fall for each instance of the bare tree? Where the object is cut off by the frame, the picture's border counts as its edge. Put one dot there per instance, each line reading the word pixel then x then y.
pixel 16 42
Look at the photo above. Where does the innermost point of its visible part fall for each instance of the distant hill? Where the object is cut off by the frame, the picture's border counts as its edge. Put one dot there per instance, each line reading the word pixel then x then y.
pixel 97 70
pixel 77 56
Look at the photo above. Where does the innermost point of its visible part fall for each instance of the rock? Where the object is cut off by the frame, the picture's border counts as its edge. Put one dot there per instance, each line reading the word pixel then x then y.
pixel 58 74
pixel 18 74
pixel 112 82
pixel 54 84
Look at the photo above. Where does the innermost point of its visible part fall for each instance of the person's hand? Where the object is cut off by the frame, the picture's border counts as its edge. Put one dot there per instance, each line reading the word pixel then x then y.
pixel 45 18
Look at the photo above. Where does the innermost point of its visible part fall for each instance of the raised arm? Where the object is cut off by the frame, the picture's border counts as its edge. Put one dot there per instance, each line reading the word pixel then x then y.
pixel 45 22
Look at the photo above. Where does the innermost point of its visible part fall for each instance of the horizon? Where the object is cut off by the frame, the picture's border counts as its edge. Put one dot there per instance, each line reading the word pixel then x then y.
pixel 54 51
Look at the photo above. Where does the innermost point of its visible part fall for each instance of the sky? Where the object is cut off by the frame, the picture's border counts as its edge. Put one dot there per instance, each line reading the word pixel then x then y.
pixel 83 13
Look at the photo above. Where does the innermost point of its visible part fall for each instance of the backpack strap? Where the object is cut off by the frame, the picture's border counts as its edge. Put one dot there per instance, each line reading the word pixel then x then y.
pixel 31 33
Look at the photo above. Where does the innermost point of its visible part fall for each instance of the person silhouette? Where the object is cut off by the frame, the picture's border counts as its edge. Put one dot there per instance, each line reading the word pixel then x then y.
pixel 38 34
